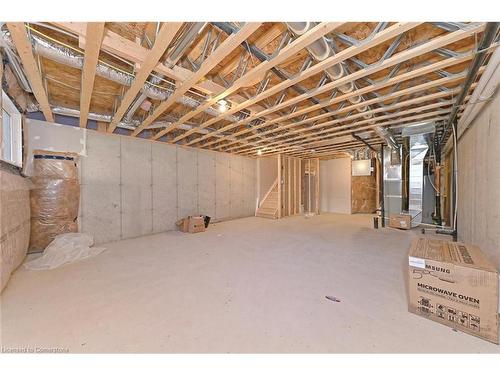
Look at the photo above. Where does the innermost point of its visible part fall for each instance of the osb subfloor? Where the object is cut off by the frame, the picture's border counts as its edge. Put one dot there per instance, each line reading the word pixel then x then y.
pixel 248 285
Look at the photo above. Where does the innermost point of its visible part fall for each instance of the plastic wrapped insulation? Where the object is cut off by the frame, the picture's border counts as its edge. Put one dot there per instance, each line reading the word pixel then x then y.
pixel 54 197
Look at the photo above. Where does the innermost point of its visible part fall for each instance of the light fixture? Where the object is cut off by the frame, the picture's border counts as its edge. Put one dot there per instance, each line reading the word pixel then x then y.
pixel 259 152
pixel 223 105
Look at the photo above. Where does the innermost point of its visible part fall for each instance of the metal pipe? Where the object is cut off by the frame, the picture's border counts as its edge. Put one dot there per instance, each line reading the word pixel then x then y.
pixel 66 56
pixel 489 35
pixel 229 29
pixel 485 90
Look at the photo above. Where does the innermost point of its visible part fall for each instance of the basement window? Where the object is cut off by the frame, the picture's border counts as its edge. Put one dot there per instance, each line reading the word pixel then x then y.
pixel 11 134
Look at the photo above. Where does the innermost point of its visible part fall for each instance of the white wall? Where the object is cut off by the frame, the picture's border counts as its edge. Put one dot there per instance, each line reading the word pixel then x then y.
pixel 267 172
pixel 133 187
pixel 335 185
pixel 479 182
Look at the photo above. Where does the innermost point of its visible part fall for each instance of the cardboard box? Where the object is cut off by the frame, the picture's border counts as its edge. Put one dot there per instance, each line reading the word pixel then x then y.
pixel 196 224
pixel 191 224
pixel 454 284
pixel 401 221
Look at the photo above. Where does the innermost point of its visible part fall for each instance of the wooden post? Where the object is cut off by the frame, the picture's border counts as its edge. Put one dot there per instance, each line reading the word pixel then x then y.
pixel 279 186
pixel 1 102
pixel 294 186
pixel 317 187
pixel 309 188
pixel 289 186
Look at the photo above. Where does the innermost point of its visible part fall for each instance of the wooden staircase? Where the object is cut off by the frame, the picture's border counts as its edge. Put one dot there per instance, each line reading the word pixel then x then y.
pixel 268 207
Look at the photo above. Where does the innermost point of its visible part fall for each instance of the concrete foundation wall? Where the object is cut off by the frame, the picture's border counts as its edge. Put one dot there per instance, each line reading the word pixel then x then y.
pixel 134 187
pixel 479 182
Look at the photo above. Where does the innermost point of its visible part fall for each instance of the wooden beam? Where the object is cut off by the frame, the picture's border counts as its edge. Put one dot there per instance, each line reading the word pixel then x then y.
pixel 280 176
pixel 24 49
pixel 400 78
pixel 162 41
pixel 394 95
pixel 383 36
pixel 394 60
pixel 408 103
pixel 127 49
pixel 300 43
pixel 435 114
pixel 318 130
pixel 266 38
pixel 94 34
pixel 226 47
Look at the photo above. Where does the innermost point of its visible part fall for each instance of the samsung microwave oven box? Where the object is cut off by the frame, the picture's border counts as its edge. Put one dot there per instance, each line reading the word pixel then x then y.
pixel 454 284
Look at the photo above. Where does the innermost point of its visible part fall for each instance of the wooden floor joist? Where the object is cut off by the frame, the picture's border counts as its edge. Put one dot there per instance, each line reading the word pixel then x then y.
pixel 217 56
pixel 383 36
pixel 94 33
pixel 368 89
pixel 400 71
pixel 162 41
pixel 396 59
pixel 300 43
pixel 24 49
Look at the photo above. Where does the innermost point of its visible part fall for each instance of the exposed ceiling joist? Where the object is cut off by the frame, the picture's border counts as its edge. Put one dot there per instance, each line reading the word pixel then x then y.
pixel 396 59
pixel 24 49
pixel 162 41
pixel 301 42
pixel 211 61
pixel 383 36
pixel 94 32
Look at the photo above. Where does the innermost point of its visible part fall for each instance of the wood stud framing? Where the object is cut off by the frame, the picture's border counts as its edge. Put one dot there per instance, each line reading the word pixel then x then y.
pixel 95 32
pixel 24 49
pixel 162 41
pixel 288 128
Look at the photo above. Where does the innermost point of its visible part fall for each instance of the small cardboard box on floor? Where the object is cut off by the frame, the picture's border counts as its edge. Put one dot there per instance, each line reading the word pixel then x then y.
pixel 454 284
pixel 401 221
pixel 191 224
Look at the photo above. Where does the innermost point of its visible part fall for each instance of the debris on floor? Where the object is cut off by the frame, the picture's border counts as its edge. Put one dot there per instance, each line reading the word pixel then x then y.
pixel 334 299
pixel 64 249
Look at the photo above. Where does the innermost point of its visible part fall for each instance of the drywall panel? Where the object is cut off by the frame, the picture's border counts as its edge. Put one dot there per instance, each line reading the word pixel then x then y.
pixel 53 137
pixel 236 186
pixel 164 172
pixel 222 188
pixel 479 182
pixel 187 182
pixel 100 198
pixel 335 185
pixel 206 183
pixel 136 180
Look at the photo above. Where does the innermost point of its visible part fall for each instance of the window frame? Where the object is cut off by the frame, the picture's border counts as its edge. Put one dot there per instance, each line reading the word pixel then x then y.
pixel 16 145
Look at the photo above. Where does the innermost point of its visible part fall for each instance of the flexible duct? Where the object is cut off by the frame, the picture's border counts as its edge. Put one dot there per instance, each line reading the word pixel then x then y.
pixel 125 125
pixel 320 50
pixel 66 56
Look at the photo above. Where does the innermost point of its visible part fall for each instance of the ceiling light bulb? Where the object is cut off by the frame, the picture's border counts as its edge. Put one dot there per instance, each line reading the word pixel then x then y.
pixel 223 105
pixel 259 152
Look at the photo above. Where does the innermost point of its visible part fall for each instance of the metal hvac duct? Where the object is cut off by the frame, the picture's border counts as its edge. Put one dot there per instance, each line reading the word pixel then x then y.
pixel 125 125
pixel 172 58
pixel 321 50
pixel 66 56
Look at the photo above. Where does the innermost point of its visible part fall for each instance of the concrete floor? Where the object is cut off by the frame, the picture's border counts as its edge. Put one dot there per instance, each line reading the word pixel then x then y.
pixel 248 285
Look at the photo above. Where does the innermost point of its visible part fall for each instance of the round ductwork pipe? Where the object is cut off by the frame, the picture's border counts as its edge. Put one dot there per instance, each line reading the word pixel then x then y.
pixel 299 28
